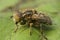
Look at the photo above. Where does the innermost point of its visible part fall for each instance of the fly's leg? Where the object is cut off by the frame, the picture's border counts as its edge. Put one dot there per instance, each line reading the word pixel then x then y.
pixel 16 27
pixel 31 28
pixel 42 33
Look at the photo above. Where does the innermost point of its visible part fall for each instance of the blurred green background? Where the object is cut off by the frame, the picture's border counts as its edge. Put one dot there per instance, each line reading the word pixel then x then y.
pixel 7 26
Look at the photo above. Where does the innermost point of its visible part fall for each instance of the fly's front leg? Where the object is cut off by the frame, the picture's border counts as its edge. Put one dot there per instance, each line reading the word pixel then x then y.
pixel 31 28
pixel 16 27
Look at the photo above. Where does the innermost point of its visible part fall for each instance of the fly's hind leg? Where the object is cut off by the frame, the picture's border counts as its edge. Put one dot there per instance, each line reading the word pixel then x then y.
pixel 42 33
pixel 45 37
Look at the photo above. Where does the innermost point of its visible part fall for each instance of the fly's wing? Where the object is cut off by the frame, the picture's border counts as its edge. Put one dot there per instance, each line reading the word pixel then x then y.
pixel 48 20
pixel 45 19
